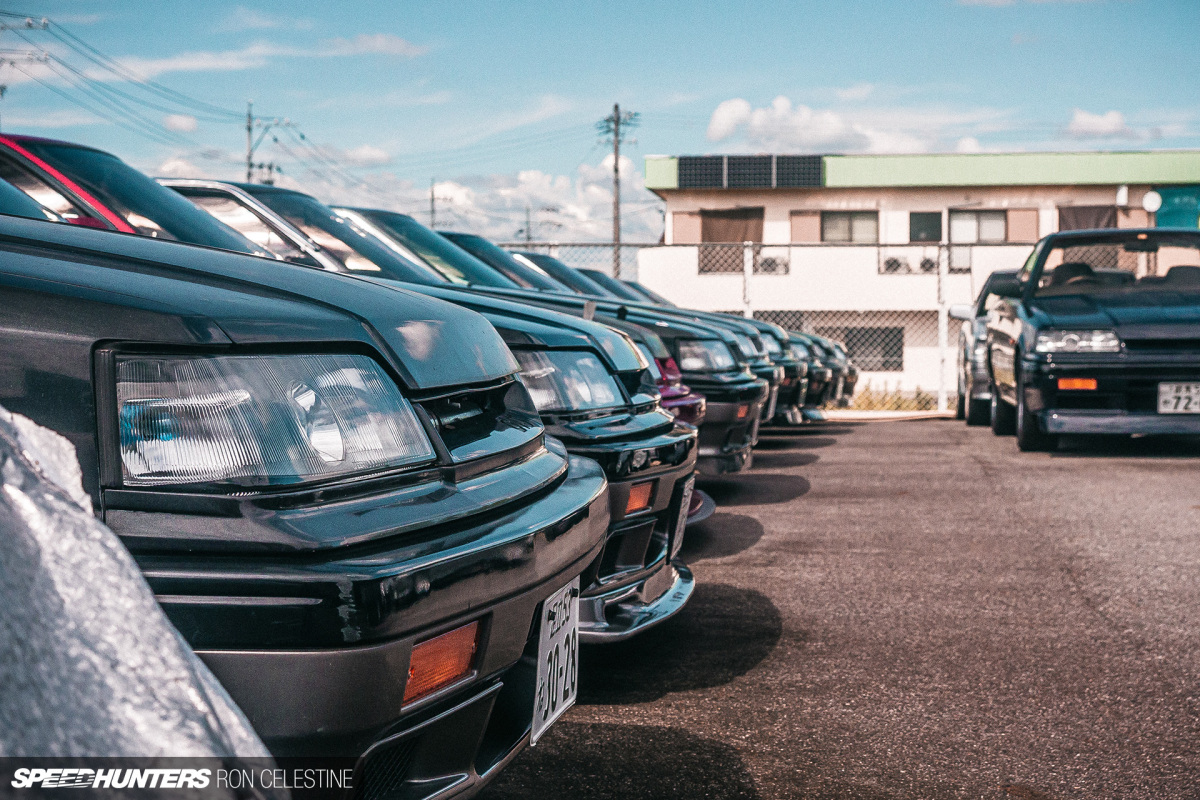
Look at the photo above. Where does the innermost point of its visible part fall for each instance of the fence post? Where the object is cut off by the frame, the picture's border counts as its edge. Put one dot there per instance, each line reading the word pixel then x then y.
pixel 747 272
pixel 943 324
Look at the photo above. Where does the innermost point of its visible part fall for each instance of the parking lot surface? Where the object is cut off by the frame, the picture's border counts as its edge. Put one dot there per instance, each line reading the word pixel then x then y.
pixel 911 610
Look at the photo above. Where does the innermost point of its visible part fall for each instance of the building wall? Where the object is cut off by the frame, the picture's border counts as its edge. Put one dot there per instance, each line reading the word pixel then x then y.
pixel 893 205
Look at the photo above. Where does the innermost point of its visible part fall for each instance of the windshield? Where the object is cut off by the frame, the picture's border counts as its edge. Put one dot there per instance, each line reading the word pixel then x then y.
pixel 613 285
pixel 456 264
pixel 16 203
pixel 1129 265
pixel 571 278
pixel 653 295
pixel 149 208
pixel 355 248
pixel 522 274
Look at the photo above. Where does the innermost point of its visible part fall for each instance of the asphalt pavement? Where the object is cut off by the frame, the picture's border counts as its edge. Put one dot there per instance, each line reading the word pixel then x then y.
pixel 911 610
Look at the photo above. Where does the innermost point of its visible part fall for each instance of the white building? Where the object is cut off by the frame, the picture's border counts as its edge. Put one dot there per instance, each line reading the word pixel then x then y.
pixel 871 250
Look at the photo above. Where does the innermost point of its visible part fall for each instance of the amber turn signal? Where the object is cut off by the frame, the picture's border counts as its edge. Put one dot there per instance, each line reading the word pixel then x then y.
pixel 639 497
pixel 438 662
pixel 1077 384
pixel 742 411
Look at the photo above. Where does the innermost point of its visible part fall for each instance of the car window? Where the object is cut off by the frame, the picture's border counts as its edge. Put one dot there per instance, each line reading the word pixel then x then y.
pixel 228 210
pixel 1100 267
pixel 42 192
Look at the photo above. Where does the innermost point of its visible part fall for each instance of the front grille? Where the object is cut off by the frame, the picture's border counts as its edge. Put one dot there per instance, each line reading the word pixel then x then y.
pixel 632 549
pixel 1191 346
pixel 484 422
pixel 385 772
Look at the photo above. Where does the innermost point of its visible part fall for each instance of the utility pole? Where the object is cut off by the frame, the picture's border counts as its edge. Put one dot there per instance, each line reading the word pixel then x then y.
pixel 528 222
pixel 249 141
pixel 3 90
pixel 432 204
pixel 611 126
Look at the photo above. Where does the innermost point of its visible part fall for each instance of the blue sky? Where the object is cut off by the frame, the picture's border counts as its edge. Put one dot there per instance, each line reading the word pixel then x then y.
pixel 497 101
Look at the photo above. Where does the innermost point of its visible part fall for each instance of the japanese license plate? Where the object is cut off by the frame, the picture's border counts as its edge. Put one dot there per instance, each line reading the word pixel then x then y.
pixel 681 520
pixel 1179 398
pixel 558 658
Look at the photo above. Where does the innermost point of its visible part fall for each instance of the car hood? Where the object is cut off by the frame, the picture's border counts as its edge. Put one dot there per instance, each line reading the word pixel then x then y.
pixel 221 297
pixel 1137 315
pixel 521 324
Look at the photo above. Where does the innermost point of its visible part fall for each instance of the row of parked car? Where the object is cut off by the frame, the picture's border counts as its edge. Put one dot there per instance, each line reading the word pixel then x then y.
pixel 1098 333
pixel 384 480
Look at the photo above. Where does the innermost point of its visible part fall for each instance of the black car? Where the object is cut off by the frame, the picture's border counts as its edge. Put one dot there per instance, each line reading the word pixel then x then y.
pixel 704 355
pixel 347 505
pixel 974 384
pixel 591 385
pixel 1099 333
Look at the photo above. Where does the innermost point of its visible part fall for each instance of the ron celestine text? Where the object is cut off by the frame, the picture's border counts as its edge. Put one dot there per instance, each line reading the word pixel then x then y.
pixel 167 778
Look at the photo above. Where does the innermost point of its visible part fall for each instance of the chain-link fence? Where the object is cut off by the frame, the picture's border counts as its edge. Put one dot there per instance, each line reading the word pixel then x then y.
pixel 885 304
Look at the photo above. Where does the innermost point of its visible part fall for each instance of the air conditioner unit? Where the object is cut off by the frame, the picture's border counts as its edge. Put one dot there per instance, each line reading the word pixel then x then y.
pixel 895 265
pixel 929 265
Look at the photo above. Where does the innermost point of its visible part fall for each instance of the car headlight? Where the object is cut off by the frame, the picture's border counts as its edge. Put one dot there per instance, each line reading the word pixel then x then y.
pixel 799 352
pixel 260 419
pixel 704 355
pixel 567 380
pixel 1102 341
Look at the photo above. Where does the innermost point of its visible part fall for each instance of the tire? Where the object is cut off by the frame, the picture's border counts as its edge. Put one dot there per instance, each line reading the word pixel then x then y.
pixel 1030 437
pixel 1003 416
pixel 960 411
pixel 979 412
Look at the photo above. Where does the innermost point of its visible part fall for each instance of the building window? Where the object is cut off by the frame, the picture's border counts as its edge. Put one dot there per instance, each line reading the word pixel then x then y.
pixel 857 227
pixel 974 227
pixel 925 226
pixel 722 232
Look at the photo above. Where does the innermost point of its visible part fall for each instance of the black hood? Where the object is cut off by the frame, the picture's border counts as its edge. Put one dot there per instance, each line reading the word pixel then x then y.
pixel 1142 314
pixel 215 296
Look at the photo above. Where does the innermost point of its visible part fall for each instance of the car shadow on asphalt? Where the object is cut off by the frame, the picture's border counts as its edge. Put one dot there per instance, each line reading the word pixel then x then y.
pixel 815 429
pixel 585 760
pixel 792 443
pixel 755 488
pixel 1128 447
pixel 719 536
pixel 773 459
pixel 722 633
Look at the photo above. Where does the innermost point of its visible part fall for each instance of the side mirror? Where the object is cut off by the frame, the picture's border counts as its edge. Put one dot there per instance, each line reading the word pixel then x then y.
pixel 1006 287
pixel 961 311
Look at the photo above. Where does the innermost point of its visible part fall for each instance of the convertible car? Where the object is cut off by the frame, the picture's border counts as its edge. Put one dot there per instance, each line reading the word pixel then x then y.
pixel 1099 333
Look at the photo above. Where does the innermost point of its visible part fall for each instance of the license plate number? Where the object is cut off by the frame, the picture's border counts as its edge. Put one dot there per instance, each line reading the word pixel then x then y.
pixel 1179 398
pixel 681 521
pixel 558 658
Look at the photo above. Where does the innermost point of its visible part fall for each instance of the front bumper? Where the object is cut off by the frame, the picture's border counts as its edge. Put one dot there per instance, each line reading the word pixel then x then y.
pixel 1125 400
pixel 636 586
pixel 731 423
pixel 347 700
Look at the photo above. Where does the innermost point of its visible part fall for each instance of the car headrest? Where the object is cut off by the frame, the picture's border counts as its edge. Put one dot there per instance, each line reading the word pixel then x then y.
pixel 1069 270
pixel 1183 274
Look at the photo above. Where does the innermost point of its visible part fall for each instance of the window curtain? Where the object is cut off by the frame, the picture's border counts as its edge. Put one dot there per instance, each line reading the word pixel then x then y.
pixel 732 225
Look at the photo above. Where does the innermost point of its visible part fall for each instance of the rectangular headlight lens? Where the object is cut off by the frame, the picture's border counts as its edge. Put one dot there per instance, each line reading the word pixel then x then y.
pixel 567 380
pixel 704 355
pixel 261 419
pixel 1102 341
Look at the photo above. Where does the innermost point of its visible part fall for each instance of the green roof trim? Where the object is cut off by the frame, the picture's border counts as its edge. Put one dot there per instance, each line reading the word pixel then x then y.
pixel 662 172
pixel 1014 169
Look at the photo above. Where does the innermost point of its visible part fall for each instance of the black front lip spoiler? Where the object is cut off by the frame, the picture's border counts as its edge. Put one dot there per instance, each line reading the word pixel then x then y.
pixel 622 614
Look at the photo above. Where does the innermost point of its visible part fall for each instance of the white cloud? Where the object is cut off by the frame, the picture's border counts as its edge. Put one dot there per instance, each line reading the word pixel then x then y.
pixel 968 144
pixel 179 168
pixel 257 55
pixel 78 19
pixel 859 91
pixel 367 155
pixel 782 127
pixel 373 44
pixel 1109 125
pixel 245 19
pixel 185 123
pixel 65 118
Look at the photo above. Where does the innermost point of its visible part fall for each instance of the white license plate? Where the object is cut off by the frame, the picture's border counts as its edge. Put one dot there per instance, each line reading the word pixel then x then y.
pixel 1179 398
pixel 558 658
pixel 841 387
pixel 681 520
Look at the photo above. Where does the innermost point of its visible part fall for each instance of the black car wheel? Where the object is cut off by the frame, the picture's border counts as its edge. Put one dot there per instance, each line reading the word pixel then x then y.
pixel 1030 436
pixel 960 411
pixel 979 412
pixel 1003 416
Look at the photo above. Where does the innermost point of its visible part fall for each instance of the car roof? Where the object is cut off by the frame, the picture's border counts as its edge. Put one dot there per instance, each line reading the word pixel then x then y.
pixel 1116 235
pixel 22 138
